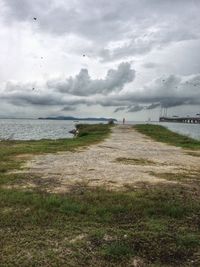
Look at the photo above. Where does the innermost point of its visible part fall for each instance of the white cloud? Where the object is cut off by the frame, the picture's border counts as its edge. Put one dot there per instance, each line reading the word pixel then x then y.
pixel 162 38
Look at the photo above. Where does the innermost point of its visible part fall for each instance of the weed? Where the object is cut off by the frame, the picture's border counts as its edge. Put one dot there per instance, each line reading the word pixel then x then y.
pixel 135 161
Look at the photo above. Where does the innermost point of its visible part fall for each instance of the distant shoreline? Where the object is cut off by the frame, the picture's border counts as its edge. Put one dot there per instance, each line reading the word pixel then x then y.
pixel 76 119
pixel 66 119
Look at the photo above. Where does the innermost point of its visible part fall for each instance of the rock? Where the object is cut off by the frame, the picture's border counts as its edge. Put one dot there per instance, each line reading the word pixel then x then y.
pixel 137 262
pixel 75 132
pixel 108 238
pixel 111 122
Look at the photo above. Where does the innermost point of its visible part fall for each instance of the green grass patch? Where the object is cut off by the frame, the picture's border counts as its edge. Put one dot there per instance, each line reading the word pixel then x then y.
pixel 99 228
pixel 117 250
pixel 162 134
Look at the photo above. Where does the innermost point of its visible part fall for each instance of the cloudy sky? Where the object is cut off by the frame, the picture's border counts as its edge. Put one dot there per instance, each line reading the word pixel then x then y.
pixel 120 58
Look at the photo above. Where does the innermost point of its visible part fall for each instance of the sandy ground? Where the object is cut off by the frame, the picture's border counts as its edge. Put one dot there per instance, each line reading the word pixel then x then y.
pixel 98 165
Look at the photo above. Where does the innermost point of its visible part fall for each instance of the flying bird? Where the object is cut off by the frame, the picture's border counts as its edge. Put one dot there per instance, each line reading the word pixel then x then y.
pixel 33 89
pixel 35 18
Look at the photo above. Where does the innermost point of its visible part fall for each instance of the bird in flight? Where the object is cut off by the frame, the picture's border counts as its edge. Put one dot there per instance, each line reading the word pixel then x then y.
pixel 35 18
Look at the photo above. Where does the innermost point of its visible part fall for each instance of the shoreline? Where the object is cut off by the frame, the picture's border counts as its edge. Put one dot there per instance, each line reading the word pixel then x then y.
pixel 54 130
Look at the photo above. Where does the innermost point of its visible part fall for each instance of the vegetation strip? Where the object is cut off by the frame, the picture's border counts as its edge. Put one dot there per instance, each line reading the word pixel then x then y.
pixel 99 228
pixel 162 134
pixel 155 226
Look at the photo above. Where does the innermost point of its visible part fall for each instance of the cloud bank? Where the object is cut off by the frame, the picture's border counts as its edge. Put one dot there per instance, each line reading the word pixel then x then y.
pixel 123 27
pixel 170 91
pixel 83 85
pixel 79 41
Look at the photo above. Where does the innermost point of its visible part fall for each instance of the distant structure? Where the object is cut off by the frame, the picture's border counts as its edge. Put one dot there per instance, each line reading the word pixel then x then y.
pixel 180 119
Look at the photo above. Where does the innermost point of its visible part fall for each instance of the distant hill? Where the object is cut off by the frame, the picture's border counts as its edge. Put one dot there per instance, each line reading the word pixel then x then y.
pixel 70 118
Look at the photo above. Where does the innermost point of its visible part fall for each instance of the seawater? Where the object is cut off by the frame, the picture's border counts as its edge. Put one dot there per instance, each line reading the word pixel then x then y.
pixel 29 129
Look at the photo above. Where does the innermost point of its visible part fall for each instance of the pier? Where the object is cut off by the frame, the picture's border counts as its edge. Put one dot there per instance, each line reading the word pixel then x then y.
pixel 180 119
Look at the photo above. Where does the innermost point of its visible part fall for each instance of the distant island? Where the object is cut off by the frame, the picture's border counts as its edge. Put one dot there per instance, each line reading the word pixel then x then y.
pixel 70 118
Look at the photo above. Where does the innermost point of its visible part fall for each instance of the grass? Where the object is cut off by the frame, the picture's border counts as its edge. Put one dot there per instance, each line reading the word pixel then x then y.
pixel 162 134
pixel 107 228
pixel 93 227
pixel 186 176
pixel 14 153
pixel 194 154
pixel 135 161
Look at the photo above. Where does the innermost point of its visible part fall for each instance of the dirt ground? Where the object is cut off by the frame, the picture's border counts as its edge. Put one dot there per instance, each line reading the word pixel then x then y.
pixel 125 158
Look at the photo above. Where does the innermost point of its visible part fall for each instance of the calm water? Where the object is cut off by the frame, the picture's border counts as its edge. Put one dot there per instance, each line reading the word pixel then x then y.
pixel 50 129
pixel 35 129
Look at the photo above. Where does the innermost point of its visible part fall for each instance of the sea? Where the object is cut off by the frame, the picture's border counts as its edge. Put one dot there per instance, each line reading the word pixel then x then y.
pixel 34 129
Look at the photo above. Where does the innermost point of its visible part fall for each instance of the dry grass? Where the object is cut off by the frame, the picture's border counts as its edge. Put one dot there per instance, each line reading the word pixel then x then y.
pixel 135 161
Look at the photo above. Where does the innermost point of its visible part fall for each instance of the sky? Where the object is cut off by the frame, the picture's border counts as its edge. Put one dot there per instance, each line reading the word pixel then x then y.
pixel 123 58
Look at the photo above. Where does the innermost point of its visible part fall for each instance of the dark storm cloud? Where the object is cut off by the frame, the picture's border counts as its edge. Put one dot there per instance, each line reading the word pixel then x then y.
pixel 135 108
pixel 142 25
pixel 68 108
pixel 119 109
pixel 83 85
pixel 26 99
pixel 153 106
pixel 167 91
pixel 170 91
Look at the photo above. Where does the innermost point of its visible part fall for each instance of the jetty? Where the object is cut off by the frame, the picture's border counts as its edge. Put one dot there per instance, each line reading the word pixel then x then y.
pixel 180 119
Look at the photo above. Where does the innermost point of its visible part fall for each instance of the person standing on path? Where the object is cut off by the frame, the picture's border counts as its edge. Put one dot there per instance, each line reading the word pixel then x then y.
pixel 123 120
